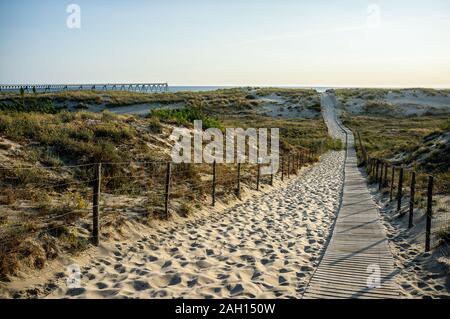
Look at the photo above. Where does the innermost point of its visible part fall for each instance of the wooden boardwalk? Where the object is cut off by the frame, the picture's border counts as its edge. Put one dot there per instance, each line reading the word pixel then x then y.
pixel 358 249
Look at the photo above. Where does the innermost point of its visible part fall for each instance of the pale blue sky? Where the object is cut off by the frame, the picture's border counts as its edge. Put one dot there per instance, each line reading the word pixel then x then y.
pixel 233 42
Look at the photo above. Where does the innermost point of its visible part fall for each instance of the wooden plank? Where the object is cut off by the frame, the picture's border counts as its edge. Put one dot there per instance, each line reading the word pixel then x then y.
pixel 358 240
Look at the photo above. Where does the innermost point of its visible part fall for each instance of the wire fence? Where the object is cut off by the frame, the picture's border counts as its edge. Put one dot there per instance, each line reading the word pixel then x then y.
pixel 423 198
pixel 80 203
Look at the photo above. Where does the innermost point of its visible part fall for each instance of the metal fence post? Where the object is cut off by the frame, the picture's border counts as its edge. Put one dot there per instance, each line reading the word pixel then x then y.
pixel 167 191
pixel 96 203
pixel 429 213
pixel 400 190
pixel 214 184
pixel 411 199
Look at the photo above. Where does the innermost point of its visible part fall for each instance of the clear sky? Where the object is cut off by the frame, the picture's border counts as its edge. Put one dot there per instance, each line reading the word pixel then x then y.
pixel 232 42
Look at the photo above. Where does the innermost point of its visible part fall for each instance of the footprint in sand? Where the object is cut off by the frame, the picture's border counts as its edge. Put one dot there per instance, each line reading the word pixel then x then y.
pixel 140 285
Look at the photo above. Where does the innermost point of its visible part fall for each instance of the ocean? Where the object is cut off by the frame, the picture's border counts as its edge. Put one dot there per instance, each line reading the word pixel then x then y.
pixel 170 88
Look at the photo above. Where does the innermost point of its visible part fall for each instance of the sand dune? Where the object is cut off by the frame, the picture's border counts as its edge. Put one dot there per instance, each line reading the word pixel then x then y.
pixel 263 248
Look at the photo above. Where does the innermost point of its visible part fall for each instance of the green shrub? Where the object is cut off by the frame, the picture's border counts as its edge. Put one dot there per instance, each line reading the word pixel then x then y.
pixel 187 116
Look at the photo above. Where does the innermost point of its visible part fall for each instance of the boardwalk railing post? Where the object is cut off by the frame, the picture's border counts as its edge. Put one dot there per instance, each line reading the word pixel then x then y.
pixel 96 203
pixel 258 175
pixel 429 213
pixel 372 170
pixel 400 190
pixel 238 189
pixel 378 167
pixel 391 194
pixel 411 199
pixel 380 186
pixel 167 191
pixel 214 184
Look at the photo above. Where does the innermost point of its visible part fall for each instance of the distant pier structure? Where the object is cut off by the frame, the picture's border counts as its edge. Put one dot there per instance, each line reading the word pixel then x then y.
pixel 133 87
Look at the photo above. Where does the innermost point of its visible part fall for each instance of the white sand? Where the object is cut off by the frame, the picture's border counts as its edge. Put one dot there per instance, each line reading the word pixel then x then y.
pixel 407 103
pixel 266 247
pixel 420 274
pixel 274 105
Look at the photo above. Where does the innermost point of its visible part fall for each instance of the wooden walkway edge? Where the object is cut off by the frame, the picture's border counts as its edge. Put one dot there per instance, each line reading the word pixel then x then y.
pixel 357 262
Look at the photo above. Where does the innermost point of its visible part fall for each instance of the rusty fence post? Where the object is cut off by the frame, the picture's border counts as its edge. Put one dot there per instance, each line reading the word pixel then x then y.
pixel 400 190
pixel 214 184
pixel 167 190
pixel 411 199
pixel 429 213
pixel 96 203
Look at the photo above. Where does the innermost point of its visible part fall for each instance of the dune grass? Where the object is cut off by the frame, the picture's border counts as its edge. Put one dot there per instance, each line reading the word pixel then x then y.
pixel 51 138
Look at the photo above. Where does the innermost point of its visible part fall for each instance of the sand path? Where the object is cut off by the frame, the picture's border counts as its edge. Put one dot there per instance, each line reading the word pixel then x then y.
pixel 267 247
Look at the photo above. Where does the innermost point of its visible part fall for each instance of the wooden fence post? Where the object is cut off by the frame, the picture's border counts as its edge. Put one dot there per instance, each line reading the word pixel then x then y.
pixel 377 168
pixel 271 176
pixel 392 183
pixel 288 165
pixel 214 184
pixel 238 190
pixel 411 199
pixel 373 168
pixel 400 190
pixel 429 213
pixel 96 203
pixel 362 148
pixel 167 191
pixel 258 176
pixel 380 186
pixel 282 168
pixel 385 181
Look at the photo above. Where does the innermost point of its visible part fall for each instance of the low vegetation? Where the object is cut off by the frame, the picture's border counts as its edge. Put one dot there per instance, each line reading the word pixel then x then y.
pixel 48 155
pixel 417 142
